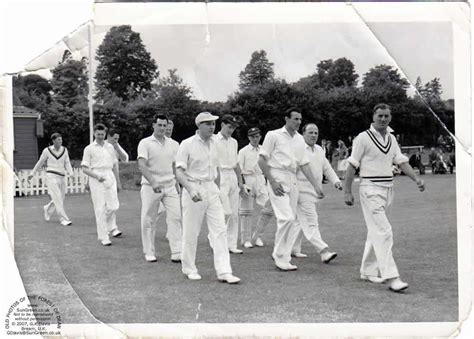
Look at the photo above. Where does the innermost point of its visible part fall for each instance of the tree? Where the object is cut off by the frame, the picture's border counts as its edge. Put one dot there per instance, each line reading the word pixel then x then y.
pixel 419 86
pixel 31 91
pixel 262 106
pixel 257 72
pixel 69 82
pixel 339 73
pixel 175 99
pixel 383 83
pixel 433 90
pixel 125 67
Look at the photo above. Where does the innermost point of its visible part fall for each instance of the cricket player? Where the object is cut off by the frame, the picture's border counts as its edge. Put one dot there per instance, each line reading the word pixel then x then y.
pixel 57 159
pixel 113 138
pixel 168 134
pixel 282 155
pixel 169 129
pixel 254 182
pixel 307 197
pixel 374 151
pixel 155 157
pixel 197 170
pixel 100 164
pixel 230 179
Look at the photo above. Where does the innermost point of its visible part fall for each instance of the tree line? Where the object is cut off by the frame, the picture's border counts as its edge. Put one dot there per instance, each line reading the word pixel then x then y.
pixel 130 90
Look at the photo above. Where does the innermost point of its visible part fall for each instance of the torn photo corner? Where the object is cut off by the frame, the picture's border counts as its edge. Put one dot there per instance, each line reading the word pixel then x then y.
pixel 333 62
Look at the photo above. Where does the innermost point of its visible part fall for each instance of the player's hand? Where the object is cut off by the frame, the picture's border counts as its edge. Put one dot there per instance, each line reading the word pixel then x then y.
pixel 277 188
pixel 244 190
pixel 195 196
pixel 338 186
pixel 29 178
pixel 348 198
pixel 421 185
pixel 100 178
pixel 319 193
pixel 156 188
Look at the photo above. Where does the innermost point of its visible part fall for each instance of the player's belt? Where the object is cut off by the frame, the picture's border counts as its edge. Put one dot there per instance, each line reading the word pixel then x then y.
pixel 200 181
pixel 387 178
pixel 55 172
pixel 252 174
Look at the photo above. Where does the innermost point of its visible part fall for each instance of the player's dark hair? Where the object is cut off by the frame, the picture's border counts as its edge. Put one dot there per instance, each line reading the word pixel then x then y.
pixel 381 106
pixel 100 127
pixel 112 132
pixel 161 117
pixel 288 112
pixel 54 136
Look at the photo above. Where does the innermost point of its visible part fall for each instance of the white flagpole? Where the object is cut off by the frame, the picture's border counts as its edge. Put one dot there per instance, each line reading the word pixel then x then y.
pixel 90 96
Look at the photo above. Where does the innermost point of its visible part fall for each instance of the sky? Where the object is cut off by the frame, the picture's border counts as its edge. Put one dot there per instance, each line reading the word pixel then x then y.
pixel 212 69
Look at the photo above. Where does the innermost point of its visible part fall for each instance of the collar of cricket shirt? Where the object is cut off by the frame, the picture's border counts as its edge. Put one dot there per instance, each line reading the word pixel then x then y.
pixel 389 130
pixel 158 140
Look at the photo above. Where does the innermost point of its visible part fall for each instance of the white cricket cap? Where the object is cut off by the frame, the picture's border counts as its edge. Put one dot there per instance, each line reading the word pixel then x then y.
pixel 205 116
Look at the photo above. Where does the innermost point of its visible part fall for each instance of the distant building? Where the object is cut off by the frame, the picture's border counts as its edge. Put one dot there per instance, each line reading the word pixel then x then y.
pixel 27 128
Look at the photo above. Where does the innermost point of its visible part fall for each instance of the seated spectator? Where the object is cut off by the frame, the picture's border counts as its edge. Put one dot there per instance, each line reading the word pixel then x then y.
pixel 440 165
pixel 452 162
pixel 415 162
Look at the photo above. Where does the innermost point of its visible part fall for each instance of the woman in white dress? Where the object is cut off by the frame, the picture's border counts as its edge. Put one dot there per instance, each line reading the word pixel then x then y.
pixel 57 159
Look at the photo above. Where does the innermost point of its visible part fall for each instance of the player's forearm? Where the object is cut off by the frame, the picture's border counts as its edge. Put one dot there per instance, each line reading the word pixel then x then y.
pixel 116 173
pixel 68 165
pixel 350 173
pixel 306 169
pixel 146 172
pixel 87 171
pixel 238 173
pixel 181 177
pixel 262 162
pixel 329 173
pixel 123 156
pixel 408 170
pixel 38 165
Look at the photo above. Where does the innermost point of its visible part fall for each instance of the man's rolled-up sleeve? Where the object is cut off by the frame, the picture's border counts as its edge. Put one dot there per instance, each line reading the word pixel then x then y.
pixel 268 145
pixel 182 156
pixel 399 158
pixel 86 158
pixel 357 152
pixel 142 151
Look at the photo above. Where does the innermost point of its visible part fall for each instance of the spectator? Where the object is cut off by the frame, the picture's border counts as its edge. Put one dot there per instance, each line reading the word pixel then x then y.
pixel 441 142
pixel 342 153
pixel 433 157
pixel 452 162
pixel 415 162
pixel 441 166
pixel 328 151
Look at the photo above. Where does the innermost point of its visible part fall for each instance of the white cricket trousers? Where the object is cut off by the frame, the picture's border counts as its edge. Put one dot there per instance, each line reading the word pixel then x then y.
pixel 378 247
pixel 284 208
pixel 258 194
pixel 193 215
pixel 105 201
pixel 308 225
pixel 169 198
pixel 230 202
pixel 57 191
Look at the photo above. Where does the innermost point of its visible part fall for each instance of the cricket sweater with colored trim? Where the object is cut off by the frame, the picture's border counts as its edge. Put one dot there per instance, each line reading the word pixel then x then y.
pixel 375 155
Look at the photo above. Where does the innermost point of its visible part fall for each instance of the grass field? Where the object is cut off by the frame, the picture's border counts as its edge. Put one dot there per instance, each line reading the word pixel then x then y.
pixel 91 283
